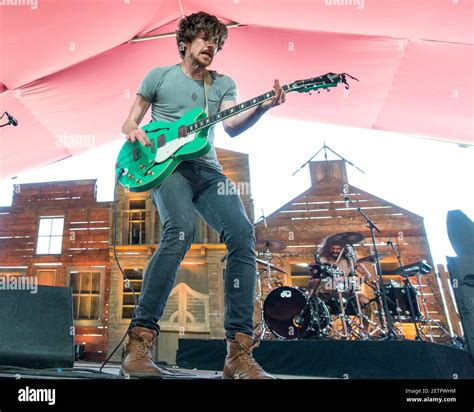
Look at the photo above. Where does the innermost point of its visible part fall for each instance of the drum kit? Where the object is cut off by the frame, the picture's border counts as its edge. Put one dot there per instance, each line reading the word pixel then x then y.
pixel 338 304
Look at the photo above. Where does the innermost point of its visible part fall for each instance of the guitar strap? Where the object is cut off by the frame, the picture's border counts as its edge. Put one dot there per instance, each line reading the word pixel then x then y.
pixel 207 86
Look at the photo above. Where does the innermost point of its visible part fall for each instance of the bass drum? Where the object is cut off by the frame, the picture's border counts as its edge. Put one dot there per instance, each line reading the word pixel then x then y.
pixel 285 304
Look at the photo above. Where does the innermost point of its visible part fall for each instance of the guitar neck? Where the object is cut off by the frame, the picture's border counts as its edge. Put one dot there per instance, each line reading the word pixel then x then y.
pixel 325 81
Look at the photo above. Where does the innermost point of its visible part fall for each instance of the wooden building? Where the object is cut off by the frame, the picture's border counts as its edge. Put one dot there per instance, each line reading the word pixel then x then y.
pixel 321 211
pixel 59 233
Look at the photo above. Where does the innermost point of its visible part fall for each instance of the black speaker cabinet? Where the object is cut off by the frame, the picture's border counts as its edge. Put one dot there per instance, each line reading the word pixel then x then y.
pixel 36 329
pixel 461 270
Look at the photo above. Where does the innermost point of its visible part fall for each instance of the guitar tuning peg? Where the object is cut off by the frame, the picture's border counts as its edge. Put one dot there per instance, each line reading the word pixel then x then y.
pixel 328 90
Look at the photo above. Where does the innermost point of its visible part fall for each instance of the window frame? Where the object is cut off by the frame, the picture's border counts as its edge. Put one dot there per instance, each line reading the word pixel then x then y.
pixel 122 291
pixel 102 315
pixel 50 236
pixel 143 222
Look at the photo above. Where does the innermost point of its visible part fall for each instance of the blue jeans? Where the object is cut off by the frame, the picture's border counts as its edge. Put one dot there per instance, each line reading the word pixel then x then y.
pixel 191 188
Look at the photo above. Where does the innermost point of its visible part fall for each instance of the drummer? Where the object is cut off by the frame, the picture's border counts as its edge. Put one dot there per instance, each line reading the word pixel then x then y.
pixel 332 252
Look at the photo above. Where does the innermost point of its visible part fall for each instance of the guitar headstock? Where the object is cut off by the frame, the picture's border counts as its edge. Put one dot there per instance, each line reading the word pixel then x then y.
pixel 325 81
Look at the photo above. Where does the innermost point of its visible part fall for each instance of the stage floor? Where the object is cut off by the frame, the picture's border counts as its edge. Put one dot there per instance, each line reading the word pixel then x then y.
pixel 88 370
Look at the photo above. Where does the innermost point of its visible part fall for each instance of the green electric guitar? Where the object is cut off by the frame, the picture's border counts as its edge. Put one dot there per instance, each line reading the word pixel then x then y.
pixel 140 168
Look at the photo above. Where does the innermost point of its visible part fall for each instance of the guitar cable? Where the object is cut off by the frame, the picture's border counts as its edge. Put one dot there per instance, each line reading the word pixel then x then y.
pixel 125 278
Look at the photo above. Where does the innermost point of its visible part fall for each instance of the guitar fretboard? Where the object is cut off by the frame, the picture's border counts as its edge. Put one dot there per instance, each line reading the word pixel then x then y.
pixel 315 83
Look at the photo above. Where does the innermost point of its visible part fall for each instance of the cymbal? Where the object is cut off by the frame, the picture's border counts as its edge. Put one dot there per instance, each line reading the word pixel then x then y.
pixel 345 238
pixel 371 258
pixel 272 266
pixel 272 245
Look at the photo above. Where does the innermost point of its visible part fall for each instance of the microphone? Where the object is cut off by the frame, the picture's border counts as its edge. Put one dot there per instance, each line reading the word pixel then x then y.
pixel 349 251
pixel 346 200
pixel 11 119
pixel 345 190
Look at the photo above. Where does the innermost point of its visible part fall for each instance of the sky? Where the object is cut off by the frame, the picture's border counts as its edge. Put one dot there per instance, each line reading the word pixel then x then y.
pixel 424 176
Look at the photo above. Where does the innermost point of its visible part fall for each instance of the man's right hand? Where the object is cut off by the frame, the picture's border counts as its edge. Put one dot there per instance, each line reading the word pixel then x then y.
pixel 138 134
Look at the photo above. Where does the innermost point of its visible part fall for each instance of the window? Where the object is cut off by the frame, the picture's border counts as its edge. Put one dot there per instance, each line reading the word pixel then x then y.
pixel 137 222
pixel 85 293
pixel 46 277
pixel 50 236
pixel 135 277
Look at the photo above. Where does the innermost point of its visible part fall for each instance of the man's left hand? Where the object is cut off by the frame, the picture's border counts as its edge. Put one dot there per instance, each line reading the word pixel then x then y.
pixel 278 99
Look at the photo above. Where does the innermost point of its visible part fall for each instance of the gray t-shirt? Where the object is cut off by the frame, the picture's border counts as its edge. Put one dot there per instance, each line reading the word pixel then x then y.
pixel 172 94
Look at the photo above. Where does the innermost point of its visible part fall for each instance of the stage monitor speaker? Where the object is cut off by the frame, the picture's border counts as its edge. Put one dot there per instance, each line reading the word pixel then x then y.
pixel 461 270
pixel 460 232
pixel 36 327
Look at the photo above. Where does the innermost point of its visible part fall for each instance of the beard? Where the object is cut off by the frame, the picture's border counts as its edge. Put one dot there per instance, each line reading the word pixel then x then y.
pixel 199 61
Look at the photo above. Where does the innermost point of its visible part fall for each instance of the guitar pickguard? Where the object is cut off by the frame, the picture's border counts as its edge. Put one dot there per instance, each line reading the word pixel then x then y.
pixel 166 151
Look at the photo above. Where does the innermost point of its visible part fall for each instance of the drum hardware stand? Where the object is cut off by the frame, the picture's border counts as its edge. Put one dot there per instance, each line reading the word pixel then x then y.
pixel 382 301
pixel 342 315
pixel 351 257
pixel 267 255
pixel 346 320
pixel 317 259
pixel 427 319
pixel 375 325
pixel 262 327
pixel 298 318
pixel 408 286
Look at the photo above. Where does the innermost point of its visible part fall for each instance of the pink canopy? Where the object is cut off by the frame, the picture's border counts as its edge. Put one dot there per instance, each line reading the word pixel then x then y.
pixel 69 70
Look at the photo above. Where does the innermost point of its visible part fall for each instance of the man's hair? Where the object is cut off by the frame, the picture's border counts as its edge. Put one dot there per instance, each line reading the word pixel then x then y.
pixel 326 247
pixel 191 26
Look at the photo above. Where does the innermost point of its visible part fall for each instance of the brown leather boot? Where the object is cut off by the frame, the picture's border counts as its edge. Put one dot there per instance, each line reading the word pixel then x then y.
pixel 138 361
pixel 239 363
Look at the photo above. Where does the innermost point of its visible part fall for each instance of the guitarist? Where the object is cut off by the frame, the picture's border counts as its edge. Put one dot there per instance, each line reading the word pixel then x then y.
pixel 172 91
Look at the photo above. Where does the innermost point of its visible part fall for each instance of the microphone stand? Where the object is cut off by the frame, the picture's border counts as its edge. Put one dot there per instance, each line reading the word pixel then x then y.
pixel 11 120
pixel 382 301
pixel 408 286
pixel 298 319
